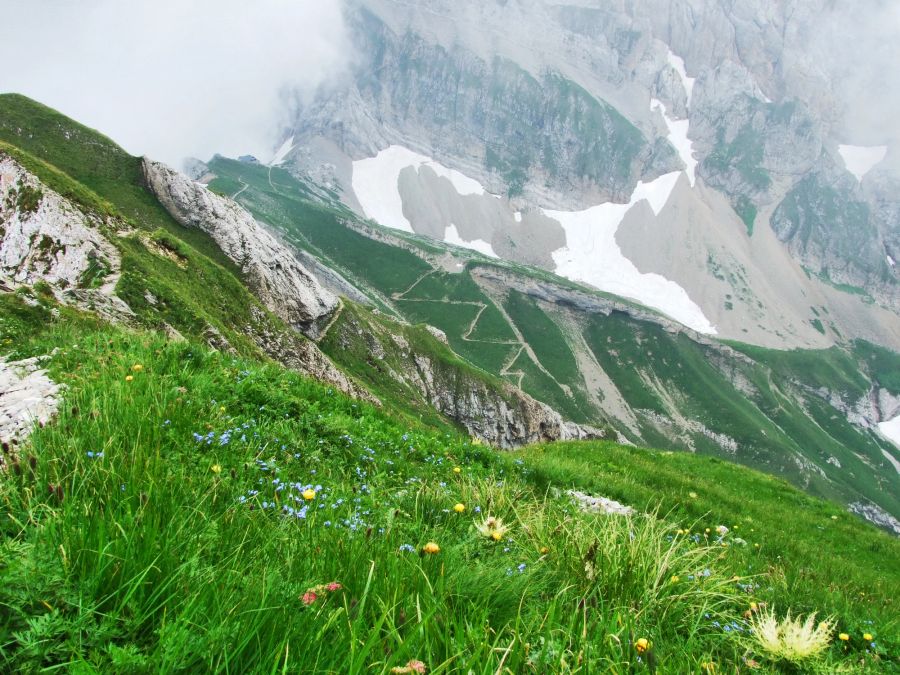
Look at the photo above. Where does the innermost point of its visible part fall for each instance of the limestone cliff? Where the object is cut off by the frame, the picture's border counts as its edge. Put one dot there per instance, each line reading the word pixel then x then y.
pixel 272 270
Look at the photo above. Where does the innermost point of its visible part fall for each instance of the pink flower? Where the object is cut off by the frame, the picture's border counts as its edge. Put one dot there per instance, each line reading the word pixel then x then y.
pixel 333 586
pixel 414 666
pixel 309 598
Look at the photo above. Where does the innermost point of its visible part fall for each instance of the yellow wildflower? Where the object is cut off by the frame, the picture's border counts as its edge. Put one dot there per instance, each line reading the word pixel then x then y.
pixel 216 469
pixel 456 469
pixel 843 637
pixel 459 508
pixel 309 494
pixel 137 367
pixel 544 550
pixel 642 645
pixel 431 548
pixel 867 637
pixel 129 378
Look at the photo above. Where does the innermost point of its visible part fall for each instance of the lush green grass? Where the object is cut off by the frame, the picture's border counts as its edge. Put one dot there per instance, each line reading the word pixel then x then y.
pixel 544 336
pixel 180 547
pixel 799 552
pixel 883 364
pixel 188 545
pixel 774 422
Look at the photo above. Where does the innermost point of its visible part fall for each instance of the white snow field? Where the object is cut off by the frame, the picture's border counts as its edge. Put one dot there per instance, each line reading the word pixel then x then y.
pixel 678 137
pixel 859 159
pixel 891 430
pixel 451 236
pixel 375 183
pixel 282 152
pixel 688 82
pixel 591 254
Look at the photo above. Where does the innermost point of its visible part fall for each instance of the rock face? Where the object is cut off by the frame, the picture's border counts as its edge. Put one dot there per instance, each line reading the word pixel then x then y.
pixel 272 271
pixel 581 101
pixel 303 355
pixel 876 515
pixel 491 410
pixel 45 237
pixel 27 397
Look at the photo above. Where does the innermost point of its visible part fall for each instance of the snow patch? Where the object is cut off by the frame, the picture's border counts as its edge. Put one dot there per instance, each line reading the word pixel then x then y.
pixel 891 430
pixel 282 152
pixel 687 82
pixel 375 183
pixel 859 160
pixel 592 255
pixel 893 460
pixel 891 261
pixel 451 236
pixel 518 216
pixel 678 137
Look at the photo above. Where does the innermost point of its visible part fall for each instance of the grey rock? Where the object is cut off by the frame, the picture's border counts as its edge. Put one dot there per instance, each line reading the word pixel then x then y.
pixel 493 411
pixel 27 398
pixel 272 270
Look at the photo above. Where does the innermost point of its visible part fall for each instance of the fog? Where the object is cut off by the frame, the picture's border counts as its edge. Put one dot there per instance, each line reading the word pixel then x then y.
pixel 173 78
pixel 858 44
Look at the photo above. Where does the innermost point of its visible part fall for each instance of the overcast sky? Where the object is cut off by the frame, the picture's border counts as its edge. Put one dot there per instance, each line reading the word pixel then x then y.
pixel 172 78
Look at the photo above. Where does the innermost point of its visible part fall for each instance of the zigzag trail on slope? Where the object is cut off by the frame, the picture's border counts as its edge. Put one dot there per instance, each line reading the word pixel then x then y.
pixel 520 339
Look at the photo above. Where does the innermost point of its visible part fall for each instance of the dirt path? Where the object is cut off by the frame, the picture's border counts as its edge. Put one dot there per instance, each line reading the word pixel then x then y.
pixel 235 195
pixel 331 321
pixel 517 375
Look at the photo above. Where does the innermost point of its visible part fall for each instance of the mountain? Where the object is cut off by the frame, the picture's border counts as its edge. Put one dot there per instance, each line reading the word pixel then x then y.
pixel 686 155
pixel 223 454
pixel 812 416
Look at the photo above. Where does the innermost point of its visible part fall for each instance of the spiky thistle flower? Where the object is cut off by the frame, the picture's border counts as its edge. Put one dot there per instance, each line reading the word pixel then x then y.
pixel 791 639
pixel 493 528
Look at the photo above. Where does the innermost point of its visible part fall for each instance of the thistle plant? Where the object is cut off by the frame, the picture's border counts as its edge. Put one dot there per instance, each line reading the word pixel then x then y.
pixel 792 638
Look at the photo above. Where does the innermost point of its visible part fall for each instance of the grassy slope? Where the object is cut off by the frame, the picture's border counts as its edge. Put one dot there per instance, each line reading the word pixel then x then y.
pixel 101 177
pixel 177 549
pixel 780 419
pixel 772 429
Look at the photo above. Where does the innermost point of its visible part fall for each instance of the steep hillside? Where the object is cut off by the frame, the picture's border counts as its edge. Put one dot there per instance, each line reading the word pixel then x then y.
pixel 810 416
pixel 192 500
pixel 252 295
pixel 190 510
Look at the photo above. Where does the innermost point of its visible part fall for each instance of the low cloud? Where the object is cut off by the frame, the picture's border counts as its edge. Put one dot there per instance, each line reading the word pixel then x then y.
pixel 857 42
pixel 170 78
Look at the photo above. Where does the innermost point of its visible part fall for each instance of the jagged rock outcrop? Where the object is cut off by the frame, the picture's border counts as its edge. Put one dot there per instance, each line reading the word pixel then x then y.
pixel 45 237
pixel 876 515
pixel 27 397
pixel 303 355
pixel 492 410
pixel 272 270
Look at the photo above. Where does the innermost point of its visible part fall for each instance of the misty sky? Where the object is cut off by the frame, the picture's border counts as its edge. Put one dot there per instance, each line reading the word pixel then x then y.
pixel 172 78
pixel 177 78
